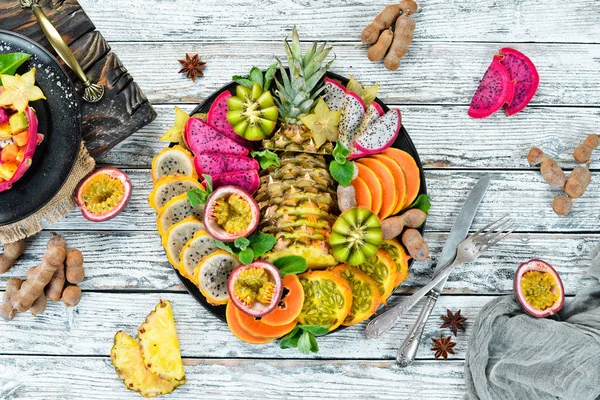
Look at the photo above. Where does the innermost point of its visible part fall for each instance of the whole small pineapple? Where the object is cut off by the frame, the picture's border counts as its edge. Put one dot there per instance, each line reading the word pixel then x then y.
pixel 297 96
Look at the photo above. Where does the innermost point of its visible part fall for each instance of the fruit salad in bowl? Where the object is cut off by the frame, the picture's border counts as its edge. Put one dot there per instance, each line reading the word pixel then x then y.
pixel 19 138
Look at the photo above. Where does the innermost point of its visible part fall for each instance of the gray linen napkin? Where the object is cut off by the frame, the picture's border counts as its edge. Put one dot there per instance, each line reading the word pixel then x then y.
pixel 512 356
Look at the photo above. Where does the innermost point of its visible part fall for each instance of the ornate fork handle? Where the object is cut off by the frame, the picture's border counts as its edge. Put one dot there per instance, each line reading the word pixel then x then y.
pixel 92 92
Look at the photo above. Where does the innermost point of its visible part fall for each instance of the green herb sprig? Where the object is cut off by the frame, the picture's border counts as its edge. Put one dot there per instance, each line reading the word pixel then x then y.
pixel 291 265
pixel 250 248
pixel 303 337
pixel 340 168
pixel 256 76
pixel 199 196
pixel 266 158
pixel 9 63
pixel 422 203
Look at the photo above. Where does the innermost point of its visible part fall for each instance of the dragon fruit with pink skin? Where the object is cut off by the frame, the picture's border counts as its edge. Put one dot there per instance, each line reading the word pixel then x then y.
pixel 30 147
pixel 334 94
pixel 217 117
pixel 3 116
pixel 521 69
pixel 495 90
pixel 213 164
pixel 246 180
pixel 373 113
pixel 353 112
pixel 200 137
pixel 381 134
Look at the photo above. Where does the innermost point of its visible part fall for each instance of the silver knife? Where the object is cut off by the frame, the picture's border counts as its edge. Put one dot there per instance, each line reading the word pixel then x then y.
pixel 460 230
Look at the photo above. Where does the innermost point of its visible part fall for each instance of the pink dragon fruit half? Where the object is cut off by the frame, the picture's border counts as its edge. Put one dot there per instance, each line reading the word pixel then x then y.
pixel 373 113
pixel 495 89
pixel 217 117
pixel 353 112
pixel 30 147
pixel 246 180
pixel 334 94
pixel 522 70
pixel 201 137
pixel 381 134
pixel 213 164
pixel 3 116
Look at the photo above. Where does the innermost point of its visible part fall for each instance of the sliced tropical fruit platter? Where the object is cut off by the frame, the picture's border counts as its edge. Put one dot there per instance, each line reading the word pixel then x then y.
pixel 292 203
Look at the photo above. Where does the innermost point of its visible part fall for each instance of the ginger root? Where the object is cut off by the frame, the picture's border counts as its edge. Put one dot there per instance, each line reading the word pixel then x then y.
pixel 393 226
pixel 74 266
pixel 378 50
pixel 12 251
pixel 550 170
pixel 578 182
pixel 56 252
pixel 403 36
pixel 583 152
pixel 415 244
pixel 7 311
pixel 71 296
pixel 382 21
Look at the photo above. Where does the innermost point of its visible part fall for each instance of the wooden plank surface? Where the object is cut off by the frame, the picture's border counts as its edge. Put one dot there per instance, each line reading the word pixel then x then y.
pixel 95 379
pixel 575 21
pixel 440 73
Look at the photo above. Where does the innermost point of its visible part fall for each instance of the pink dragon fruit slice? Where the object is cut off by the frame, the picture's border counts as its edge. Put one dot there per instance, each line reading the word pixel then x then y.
pixel 213 164
pixel 30 147
pixel 521 69
pixel 246 180
pixel 353 111
pixel 200 137
pixel 334 94
pixel 381 134
pixel 217 117
pixel 495 89
pixel 3 116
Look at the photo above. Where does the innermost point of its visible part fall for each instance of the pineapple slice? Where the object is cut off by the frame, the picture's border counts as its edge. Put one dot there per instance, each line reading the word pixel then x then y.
pixel 159 343
pixel 127 359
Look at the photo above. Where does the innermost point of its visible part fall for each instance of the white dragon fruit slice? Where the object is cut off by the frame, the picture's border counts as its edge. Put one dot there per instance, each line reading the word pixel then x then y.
pixel 334 94
pixel 381 134
pixel 353 111
pixel 373 113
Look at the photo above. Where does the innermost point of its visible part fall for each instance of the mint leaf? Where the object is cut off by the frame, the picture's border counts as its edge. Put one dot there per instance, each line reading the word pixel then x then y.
pixel 342 173
pixel 246 256
pixel 314 346
pixel 304 343
pixel 291 339
pixel 317 330
pixel 266 158
pixel 290 265
pixel 241 243
pixel 242 80
pixel 9 63
pixel 340 152
pixel 422 203
pixel 260 243
pixel 256 76
pixel 225 246
pixel 209 185
pixel 197 196
pixel 269 76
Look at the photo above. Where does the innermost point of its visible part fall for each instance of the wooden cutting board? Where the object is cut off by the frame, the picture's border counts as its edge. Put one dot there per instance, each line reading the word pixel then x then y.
pixel 124 108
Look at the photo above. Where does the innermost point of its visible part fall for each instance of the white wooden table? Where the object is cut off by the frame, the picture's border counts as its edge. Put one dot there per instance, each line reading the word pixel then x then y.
pixel 64 354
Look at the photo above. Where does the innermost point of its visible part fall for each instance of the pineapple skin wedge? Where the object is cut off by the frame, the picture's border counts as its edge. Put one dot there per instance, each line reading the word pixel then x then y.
pixel 159 343
pixel 127 359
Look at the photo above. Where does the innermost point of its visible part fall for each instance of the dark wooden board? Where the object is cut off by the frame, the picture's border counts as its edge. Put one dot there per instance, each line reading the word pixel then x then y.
pixel 124 108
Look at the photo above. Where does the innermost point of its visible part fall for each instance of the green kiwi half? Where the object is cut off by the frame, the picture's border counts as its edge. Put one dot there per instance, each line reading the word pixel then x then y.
pixel 356 236
pixel 252 112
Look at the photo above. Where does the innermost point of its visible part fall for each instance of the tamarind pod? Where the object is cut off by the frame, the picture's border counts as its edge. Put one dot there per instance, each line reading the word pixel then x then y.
pixel 562 205
pixel 553 173
pixel 578 182
pixel 408 7
pixel 74 266
pixel 346 197
pixel 12 251
pixel 403 36
pixel 378 50
pixel 39 305
pixel 583 152
pixel 71 296
pixel 7 311
pixel 382 21
pixel 415 244
pixel 393 226
pixel 535 156
pixel 57 284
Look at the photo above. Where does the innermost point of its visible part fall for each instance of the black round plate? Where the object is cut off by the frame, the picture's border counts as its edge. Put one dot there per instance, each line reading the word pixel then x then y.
pixel 403 142
pixel 60 123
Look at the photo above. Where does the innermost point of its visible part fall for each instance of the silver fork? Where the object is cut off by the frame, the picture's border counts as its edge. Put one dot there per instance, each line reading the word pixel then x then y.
pixel 467 251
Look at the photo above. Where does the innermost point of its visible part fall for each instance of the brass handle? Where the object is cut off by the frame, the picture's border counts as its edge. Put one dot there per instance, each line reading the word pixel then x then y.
pixel 92 92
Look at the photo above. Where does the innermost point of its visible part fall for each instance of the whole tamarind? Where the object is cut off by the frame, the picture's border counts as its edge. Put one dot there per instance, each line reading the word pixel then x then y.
pixel 583 152
pixel 74 266
pixel 415 244
pixel 54 289
pixel 550 170
pixel 378 50
pixel 39 305
pixel 562 205
pixel 382 21
pixel 408 7
pixel 403 36
pixel 71 296
pixel 12 251
pixel 7 311
pixel 578 182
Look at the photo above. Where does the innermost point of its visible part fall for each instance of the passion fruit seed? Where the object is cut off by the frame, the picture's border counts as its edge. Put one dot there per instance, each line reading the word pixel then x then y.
pixel 252 285
pixel 233 214
pixel 102 193
pixel 538 289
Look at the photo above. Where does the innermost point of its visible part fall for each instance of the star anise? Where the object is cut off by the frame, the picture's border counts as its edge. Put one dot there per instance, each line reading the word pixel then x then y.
pixel 453 321
pixel 443 346
pixel 192 66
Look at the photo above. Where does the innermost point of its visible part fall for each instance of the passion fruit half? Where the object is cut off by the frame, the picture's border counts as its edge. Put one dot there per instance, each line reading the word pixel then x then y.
pixel 256 288
pixel 538 289
pixel 103 194
pixel 230 213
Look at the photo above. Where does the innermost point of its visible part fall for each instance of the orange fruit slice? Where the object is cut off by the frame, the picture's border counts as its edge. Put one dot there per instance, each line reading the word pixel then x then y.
pixel 411 172
pixel 389 192
pixel 363 194
pixel 399 178
pixel 374 184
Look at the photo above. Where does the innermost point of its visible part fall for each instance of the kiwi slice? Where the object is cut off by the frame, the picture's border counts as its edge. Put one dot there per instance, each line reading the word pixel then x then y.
pixel 356 236
pixel 252 112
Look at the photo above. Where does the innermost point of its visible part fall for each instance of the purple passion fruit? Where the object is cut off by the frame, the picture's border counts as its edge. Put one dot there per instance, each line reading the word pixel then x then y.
pixel 255 288
pixel 230 213
pixel 538 289
pixel 103 194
